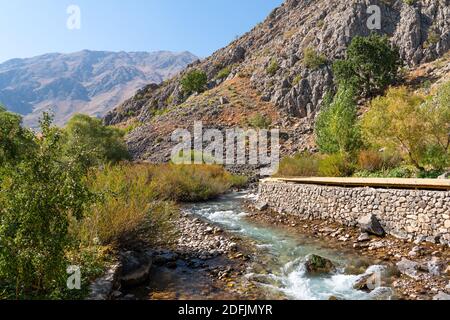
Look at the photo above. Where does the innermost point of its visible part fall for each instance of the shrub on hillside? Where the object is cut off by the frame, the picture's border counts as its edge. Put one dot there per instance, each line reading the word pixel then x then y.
pixel 273 67
pixel 223 74
pixel 312 59
pixel 260 121
pixel 371 65
pixel 194 82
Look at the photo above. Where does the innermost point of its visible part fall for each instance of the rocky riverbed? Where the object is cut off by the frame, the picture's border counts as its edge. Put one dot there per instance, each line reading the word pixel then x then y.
pixel 203 262
pixel 420 271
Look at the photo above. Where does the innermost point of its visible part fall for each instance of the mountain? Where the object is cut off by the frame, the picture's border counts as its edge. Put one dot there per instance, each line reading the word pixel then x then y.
pixel 90 82
pixel 266 74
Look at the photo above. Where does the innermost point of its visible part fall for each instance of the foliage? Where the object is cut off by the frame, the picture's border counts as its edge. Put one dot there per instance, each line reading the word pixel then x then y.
pixel 415 127
pixel 127 204
pixel 260 121
pixel 273 67
pixel 14 140
pixel 297 80
pixel 404 171
pixel 300 165
pixel 373 161
pixel 92 142
pixel 190 183
pixel 312 59
pixel 138 199
pixel 224 73
pixel 37 198
pixel 194 82
pixel 336 125
pixel 371 65
pixel 335 165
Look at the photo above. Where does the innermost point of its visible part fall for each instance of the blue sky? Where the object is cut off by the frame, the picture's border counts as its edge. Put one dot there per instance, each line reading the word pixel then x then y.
pixel 33 27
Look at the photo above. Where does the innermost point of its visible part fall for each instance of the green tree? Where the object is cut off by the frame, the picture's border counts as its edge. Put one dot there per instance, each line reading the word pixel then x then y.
pixel 371 65
pixel 436 114
pixel 92 143
pixel 336 125
pixel 37 198
pixel 14 140
pixel 415 126
pixel 194 81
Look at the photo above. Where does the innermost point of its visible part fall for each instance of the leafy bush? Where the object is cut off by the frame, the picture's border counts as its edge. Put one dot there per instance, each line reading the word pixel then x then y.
pixel 336 126
pixel 194 82
pixel 36 200
pixel 224 73
pixel 93 143
pixel 273 67
pixel 335 165
pixel 300 165
pixel 312 59
pixel 372 161
pixel 260 121
pixel 371 65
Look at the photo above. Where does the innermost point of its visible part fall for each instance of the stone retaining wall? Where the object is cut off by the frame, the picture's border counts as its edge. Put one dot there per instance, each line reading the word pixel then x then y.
pixel 411 214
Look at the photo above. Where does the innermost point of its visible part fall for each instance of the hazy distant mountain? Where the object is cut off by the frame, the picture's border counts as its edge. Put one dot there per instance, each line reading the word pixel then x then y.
pixel 91 82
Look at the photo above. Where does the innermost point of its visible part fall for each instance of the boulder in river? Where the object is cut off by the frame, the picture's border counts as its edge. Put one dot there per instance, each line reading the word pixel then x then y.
pixel 371 225
pixel 316 265
pixel 366 283
pixel 135 268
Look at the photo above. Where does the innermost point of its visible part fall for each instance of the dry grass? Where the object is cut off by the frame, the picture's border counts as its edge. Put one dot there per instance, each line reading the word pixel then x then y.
pixel 135 198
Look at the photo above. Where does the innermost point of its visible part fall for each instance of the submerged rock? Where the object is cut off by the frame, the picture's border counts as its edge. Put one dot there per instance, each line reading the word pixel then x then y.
pixel 371 225
pixel 316 265
pixel 135 268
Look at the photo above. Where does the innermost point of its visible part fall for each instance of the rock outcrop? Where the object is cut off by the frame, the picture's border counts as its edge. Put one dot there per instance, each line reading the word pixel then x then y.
pixel 270 60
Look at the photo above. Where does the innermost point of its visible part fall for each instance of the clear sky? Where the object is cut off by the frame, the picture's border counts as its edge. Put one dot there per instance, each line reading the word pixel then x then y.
pixel 33 27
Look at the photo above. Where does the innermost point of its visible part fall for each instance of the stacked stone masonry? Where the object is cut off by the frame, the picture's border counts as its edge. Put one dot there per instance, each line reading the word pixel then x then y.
pixel 410 214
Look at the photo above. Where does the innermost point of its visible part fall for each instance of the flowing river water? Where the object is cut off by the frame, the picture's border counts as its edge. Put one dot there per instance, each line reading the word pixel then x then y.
pixel 280 255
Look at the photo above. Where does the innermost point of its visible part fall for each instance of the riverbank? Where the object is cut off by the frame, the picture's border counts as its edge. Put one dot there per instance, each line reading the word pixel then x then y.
pixel 422 270
pixel 203 262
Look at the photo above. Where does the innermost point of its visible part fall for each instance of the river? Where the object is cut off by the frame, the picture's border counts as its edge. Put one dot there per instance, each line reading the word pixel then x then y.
pixel 278 268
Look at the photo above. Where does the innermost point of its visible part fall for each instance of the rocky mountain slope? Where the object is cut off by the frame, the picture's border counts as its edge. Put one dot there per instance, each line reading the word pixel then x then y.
pixel 267 74
pixel 87 82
